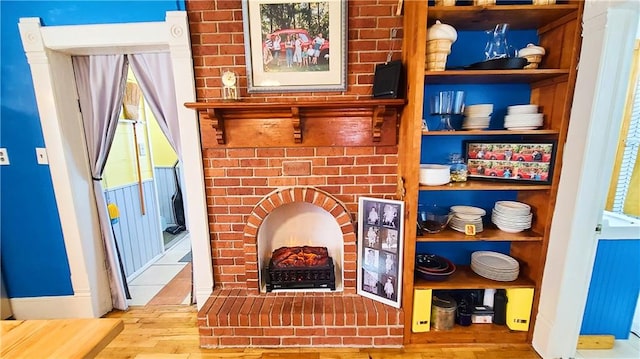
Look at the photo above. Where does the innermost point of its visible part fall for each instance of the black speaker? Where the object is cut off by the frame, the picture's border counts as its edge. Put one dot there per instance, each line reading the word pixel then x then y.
pixel 387 80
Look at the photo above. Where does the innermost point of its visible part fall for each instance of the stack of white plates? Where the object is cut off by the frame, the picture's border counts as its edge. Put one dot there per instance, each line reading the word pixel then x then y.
pixel 477 117
pixel 466 215
pixel 495 266
pixel 511 216
pixel 523 117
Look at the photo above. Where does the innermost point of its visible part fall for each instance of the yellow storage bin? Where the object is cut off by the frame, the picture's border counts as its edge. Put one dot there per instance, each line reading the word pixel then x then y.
pixel 421 321
pixel 519 303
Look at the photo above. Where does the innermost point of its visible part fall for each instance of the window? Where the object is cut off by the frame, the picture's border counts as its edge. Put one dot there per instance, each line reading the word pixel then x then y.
pixel 624 192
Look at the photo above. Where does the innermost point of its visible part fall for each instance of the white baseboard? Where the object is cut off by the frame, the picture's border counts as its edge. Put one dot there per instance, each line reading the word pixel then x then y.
pixel 541 336
pixel 57 307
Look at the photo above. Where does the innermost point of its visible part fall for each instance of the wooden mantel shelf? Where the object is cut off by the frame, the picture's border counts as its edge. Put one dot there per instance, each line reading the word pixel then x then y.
pixel 217 114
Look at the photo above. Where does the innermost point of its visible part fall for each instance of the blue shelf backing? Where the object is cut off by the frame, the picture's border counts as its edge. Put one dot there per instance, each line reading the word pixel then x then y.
pixel 469 47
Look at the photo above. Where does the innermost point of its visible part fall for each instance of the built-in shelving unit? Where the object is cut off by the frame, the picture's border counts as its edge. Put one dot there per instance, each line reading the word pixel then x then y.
pixel 551 86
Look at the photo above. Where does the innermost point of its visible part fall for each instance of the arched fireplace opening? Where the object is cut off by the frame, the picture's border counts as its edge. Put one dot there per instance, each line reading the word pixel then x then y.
pixel 296 225
pixel 298 217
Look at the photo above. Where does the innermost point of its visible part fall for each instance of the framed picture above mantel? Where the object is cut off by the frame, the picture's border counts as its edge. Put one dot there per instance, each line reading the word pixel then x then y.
pixel 295 46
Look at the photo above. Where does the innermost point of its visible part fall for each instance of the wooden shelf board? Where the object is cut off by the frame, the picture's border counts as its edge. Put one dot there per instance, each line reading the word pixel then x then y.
pixel 486 17
pixel 490 132
pixel 475 333
pixel 492 76
pixel 465 278
pixel 286 105
pixel 488 234
pixel 487 186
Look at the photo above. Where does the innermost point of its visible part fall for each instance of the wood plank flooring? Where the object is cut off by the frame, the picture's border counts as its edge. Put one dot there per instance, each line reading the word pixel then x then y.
pixel 170 332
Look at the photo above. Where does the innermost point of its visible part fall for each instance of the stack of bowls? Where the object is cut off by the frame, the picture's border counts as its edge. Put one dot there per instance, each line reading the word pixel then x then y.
pixel 523 117
pixel 433 267
pixel 466 215
pixel 512 216
pixel 495 266
pixel 477 117
pixel 434 175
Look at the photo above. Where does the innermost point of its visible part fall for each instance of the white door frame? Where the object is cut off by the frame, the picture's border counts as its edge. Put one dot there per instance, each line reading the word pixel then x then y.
pixel 49 50
pixel 609 32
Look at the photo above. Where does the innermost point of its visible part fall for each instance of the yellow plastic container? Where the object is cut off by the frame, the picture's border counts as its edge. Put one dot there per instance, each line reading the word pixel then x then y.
pixel 519 303
pixel 421 310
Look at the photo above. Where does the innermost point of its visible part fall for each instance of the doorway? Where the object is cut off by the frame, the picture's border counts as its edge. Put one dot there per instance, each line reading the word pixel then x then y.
pixel 52 74
pixel 141 183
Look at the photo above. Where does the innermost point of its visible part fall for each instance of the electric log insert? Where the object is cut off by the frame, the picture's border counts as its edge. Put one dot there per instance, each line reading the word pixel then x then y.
pixel 302 267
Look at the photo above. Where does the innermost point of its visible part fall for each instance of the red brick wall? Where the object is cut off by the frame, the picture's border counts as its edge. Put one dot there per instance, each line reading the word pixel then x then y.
pixel 236 179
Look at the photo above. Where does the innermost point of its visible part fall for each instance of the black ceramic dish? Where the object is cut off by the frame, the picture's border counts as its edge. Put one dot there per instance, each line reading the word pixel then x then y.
pixel 433 268
pixel 506 63
pixel 432 262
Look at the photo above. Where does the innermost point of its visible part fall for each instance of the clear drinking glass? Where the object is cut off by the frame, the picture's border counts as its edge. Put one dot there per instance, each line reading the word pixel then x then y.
pixel 445 104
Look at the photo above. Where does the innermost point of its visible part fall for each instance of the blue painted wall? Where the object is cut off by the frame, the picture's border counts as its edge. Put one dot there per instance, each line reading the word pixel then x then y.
pixel 32 252
pixel 613 292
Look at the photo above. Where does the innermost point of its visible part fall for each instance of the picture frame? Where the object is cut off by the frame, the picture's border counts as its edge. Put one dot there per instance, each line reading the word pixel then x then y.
pixel 380 247
pixel 511 161
pixel 275 45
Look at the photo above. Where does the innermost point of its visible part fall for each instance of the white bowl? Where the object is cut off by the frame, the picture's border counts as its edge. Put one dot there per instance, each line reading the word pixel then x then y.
pixel 522 109
pixel 481 119
pixel 482 107
pixel 524 117
pixel 513 208
pixel 434 175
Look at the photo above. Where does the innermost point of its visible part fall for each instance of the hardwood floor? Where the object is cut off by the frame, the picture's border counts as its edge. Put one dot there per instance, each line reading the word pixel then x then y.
pixel 167 331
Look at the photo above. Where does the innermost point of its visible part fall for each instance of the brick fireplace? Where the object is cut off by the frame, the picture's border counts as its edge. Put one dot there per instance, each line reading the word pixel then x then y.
pixel 243 187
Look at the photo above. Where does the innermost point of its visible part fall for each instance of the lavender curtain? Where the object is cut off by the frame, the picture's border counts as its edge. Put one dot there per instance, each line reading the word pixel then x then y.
pixel 100 81
pixel 155 76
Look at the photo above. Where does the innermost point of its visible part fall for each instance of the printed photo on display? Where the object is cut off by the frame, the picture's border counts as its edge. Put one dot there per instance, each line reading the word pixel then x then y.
pixel 380 248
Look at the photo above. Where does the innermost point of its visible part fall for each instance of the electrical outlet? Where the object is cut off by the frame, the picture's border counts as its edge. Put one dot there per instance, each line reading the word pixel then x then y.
pixel 4 157
pixel 41 156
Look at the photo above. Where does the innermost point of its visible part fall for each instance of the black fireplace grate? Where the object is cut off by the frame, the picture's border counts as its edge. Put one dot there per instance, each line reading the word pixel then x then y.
pixel 308 277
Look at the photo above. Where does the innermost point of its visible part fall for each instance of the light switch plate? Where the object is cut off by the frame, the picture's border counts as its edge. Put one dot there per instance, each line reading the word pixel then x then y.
pixel 4 157
pixel 41 156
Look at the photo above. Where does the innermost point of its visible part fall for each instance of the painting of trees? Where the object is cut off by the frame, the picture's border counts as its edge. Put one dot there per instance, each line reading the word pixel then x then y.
pixel 311 16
